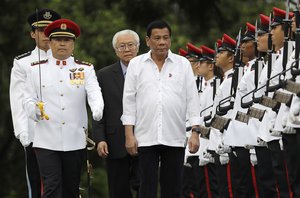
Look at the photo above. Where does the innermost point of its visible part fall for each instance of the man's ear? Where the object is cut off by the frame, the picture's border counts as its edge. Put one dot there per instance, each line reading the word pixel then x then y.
pixel 32 34
pixel 231 58
pixel 147 41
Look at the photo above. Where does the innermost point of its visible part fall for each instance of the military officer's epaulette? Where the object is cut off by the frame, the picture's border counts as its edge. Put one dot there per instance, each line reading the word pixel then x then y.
pixel 39 62
pixel 82 62
pixel 23 55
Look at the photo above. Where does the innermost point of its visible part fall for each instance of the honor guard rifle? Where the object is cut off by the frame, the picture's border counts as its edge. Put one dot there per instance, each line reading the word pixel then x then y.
pixel 237 75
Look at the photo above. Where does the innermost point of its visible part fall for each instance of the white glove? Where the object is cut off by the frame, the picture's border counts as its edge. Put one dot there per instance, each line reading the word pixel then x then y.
pixel 294 115
pixel 224 159
pixel 222 148
pixel 203 162
pixel 247 146
pixel 209 157
pixel 253 159
pixel 275 133
pixel 260 142
pixel 24 139
pixel 97 114
pixel 289 130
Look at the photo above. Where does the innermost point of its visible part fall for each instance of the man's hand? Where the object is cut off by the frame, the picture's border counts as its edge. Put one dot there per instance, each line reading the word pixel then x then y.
pixel 24 139
pixel 97 114
pixel 131 143
pixel 102 149
pixel 194 142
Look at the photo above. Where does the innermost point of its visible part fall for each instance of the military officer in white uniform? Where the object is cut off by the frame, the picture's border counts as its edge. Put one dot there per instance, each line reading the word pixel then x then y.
pixel 63 84
pixel 23 127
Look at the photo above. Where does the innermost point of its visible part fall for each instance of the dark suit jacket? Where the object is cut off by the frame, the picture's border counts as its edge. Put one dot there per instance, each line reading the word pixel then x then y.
pixel 110 127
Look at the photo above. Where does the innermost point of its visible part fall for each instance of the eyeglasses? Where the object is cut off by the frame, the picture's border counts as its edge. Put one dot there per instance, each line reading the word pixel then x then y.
pixel 130 46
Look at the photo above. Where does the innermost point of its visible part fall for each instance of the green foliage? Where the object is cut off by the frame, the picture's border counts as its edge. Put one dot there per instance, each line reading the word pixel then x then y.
pixel 199 22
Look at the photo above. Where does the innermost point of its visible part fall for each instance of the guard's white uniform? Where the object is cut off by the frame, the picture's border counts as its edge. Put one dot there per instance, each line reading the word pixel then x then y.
pixel 19 73
pixel 189 133
pixel 269 117
pixel 222 92
pixel 65 88
pixel 238 133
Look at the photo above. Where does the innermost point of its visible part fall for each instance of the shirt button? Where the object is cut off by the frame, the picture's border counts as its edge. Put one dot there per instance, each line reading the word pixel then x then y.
pixel 60 81
pixel 61 94
pixel 63 108
pixel 43 85
pixel 63 123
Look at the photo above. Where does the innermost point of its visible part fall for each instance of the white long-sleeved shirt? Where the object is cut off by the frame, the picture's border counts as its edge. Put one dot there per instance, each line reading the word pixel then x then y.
pixel 157 102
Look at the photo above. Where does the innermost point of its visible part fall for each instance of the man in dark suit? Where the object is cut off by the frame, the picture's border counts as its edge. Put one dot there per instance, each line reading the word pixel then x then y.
pixel 109 134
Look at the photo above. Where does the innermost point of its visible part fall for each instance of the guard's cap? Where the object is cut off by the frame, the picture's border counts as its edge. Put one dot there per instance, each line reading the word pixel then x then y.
pixel 193 51
pixel 207 53
pixel 42 18
pixel 62 28
pixel 279 16
pixel 264 24
pixel 249 33
pixel 182 52
pixel 228 44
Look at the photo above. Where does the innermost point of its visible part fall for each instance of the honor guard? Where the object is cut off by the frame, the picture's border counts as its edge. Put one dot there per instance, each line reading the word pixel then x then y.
pixel 224 60
pixel 24 127
pixel 193 179
pixel 64 84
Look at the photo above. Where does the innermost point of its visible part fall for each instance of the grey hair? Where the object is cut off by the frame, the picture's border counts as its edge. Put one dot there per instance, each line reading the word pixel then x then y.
pixel 125 32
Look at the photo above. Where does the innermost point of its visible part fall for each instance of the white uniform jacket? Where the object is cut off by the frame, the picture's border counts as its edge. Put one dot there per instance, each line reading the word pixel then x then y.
pixel 65 85
pixel 19 73
pixel 238 133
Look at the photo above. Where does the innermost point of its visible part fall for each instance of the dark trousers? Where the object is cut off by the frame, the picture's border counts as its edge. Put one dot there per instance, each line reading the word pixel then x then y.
pixel 265 173
pixel 241 173
pixel 32 173
pixel 279 167
pixel 291 144
pixel 123 176
pixel 60 172
pixel 171 170
pixel 201 181
pixel 194 180
pixel 223 177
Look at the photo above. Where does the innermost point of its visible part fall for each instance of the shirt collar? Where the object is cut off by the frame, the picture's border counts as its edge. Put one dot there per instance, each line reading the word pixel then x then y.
pixel 170 56
pixel 43 55
pixel 227 73
pixel 124 67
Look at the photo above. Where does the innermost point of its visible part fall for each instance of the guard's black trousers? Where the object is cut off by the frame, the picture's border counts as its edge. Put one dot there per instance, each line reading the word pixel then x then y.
pixel 291 145
pixel 265 173
pixel 60 172
pixel 171 169
pixel 241 173
pixel 32 173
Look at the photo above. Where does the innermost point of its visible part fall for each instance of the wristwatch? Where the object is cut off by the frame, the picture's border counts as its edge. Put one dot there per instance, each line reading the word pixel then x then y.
pixel 196 129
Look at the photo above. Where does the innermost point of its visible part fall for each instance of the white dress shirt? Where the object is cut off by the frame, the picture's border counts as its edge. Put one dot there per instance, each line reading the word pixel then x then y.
pixel 19 73
pixel 65 86
pixel 157 102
